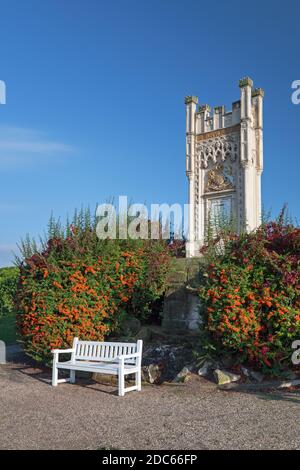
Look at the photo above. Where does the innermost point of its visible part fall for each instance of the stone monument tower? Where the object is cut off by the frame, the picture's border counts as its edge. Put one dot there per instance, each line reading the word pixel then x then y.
pixel 224 163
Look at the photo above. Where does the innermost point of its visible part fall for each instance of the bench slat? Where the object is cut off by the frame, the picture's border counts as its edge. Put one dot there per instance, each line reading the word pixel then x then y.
pixel 95 367
pixel 107 343
pixel 95 350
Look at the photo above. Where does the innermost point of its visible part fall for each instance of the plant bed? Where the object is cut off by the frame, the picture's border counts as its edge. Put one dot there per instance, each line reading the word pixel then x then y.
pixel 250 296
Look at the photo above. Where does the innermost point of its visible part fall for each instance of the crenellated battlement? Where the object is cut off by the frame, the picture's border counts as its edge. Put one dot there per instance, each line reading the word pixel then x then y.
pixel 207 119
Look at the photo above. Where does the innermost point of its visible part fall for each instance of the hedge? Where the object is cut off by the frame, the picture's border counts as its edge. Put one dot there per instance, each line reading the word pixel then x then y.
pixel 251 297
pixel 78 285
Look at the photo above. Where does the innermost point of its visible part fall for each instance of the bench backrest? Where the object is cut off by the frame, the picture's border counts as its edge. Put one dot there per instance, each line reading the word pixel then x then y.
pixel 104 351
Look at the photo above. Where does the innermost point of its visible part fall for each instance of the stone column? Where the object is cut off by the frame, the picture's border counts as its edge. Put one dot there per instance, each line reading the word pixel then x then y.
pixel 190 102
pixel 246 152
pixel 258 95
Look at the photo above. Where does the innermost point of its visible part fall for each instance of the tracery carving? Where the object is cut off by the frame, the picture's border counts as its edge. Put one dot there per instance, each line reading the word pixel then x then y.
pixel 219 148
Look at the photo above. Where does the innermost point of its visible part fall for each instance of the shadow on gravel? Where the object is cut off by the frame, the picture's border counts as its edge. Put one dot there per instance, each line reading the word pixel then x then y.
pixel 291 395
pixel 29 368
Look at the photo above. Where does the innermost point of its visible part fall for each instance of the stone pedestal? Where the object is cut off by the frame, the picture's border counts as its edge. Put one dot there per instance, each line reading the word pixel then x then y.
pixel 181 305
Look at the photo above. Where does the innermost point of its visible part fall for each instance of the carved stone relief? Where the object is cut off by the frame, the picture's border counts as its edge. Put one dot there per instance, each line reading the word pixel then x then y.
pixel 219 148
pixel 219 178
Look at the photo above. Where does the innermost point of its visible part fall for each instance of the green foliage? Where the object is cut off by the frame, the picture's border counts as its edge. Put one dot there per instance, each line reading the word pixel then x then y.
pixel 8 286
pixel 8 328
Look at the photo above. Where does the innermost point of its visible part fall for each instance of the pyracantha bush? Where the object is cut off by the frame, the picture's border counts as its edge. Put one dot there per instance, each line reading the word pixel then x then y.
pixel 251 297
pixel 81 286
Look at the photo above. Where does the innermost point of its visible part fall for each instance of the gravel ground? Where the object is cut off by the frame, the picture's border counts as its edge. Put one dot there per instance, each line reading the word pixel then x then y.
pixel 87 415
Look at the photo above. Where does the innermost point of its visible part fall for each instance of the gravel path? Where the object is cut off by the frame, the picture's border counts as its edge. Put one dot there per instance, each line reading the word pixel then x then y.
pixel 87 415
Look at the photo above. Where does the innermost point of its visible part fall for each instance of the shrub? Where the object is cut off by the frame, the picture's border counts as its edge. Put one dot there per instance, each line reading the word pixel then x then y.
pixel 81 286
pixel 8 286
pixel 177 248
pixel 251 299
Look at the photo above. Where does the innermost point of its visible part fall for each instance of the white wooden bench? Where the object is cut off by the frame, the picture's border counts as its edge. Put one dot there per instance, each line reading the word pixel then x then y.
pixel 103 357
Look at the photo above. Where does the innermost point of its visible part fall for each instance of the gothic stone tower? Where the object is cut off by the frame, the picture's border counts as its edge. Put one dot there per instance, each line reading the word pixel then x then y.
pixel 224 163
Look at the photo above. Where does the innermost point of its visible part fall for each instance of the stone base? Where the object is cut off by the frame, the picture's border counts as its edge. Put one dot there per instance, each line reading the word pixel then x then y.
pixel 106 379
pixel 181 304
pixel 192 249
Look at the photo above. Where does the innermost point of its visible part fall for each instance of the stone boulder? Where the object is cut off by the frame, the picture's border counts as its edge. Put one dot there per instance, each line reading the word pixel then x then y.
pixel 130 326
pixel 152 373
pixel 105 379
pixel 257 376
pixel 183 375
pixel 253 375
pixel 223 377
pixel 206 368
pixel 166 361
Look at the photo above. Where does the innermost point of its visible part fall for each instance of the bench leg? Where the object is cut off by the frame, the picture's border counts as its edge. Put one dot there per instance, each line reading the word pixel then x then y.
pixel 138 380
pixel 54 375
pixel 72 376
pixel 121 383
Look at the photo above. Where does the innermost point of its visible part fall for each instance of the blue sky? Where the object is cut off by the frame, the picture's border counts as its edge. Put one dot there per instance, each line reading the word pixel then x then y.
pixel 95 99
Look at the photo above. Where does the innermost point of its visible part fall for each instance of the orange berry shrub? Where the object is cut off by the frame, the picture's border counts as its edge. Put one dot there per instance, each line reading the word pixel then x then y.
pixel 251 297
pixel 81 286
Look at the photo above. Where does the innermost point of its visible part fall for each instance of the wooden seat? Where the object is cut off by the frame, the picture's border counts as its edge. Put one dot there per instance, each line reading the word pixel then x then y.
pixel 103 357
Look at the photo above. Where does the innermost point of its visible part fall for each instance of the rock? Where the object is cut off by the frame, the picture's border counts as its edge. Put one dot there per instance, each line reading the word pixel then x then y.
pixel 224 377
pixel 182 376
pixel 130 326
pixel 145 334
pixel 228 361
pixel 152 373
pixel 170 359
pixel 257 376
pixel 205 368
pixel 188 378
pixel 105 379
pixel 246 372
pixel 252 374
pixel 82 374
pixel 290 375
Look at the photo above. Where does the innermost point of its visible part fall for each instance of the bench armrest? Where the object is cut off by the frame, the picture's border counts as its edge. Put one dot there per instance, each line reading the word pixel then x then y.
pixel 129 356
pixel 59 351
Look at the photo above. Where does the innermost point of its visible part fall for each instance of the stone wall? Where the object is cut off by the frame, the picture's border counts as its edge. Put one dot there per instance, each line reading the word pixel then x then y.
pixel 181 306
